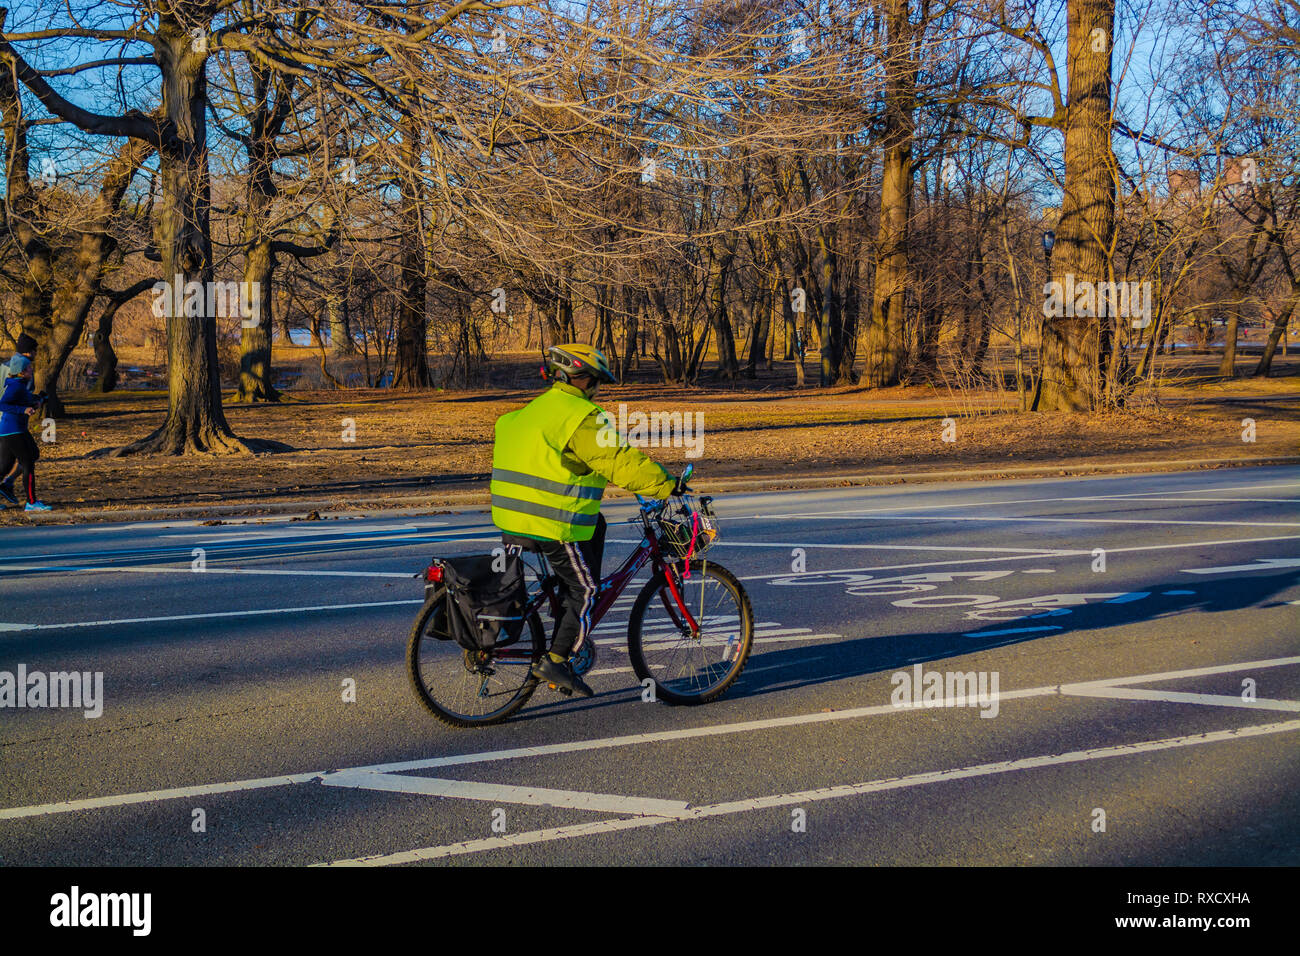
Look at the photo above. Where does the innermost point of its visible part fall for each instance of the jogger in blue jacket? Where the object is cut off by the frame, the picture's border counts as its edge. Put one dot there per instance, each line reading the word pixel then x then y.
pixel 17 402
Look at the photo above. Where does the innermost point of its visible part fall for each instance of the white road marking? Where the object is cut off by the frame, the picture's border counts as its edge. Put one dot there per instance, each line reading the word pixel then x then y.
pixel 790 638
pixel 301 530
pixel 718 642
pixel 1261 564
pixel 195 617
pixel 1030 557
pixel 603 743
pixel 1032 552
pixel 150 796
pixel 1175 697
pixel 1189 672
pixel 811 796
pixel 1279 501
pixel 233 551
pixel 1055 520
pixel 933 506
pixel 503 793
pixel 503 842
pixel 156 569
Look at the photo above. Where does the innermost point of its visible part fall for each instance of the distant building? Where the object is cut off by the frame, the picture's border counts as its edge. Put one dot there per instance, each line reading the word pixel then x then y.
pixel 1184 184
pixel 1239 178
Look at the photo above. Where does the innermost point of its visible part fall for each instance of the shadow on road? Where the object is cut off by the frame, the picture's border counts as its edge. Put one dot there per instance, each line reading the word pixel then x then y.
pixel 791 667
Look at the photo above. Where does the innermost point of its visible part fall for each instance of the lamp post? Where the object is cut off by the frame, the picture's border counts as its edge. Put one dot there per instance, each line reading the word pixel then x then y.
pixel 1049 240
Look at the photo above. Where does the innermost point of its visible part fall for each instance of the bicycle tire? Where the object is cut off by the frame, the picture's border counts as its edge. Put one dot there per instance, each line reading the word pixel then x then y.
pixel 636 646
pixel 420 638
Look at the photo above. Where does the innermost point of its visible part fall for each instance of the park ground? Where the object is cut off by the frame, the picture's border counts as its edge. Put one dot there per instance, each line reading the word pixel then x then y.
pixel 373 448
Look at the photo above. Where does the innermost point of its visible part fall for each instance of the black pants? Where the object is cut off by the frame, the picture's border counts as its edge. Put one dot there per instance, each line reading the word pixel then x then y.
pixel 21 448
pixel 577 564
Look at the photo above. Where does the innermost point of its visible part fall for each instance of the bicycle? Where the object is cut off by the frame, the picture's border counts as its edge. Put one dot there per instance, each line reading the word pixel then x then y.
pixel 691 643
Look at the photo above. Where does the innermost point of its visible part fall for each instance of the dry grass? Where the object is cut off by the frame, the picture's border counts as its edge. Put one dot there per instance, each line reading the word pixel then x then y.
pixel 427 444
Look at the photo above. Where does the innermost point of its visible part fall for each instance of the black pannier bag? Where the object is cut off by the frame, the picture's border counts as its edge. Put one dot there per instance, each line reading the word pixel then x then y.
pixel 484 606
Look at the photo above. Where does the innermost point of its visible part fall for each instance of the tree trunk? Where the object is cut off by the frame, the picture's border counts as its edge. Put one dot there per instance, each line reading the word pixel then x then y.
pixel 411 365
pixel 850 307
pixel 255 332
pixel 830 318
pixel 196 422
pixel 1276 333
pixel 762 329
pixel 105 357
pixel 1071 348
pixel 23 216
pixel 728 363
pixel 1228 364
pixel 886 350
pixel 340 323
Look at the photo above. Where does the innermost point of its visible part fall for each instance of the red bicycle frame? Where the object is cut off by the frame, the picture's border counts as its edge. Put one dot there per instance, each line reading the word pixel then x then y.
pixel 611 587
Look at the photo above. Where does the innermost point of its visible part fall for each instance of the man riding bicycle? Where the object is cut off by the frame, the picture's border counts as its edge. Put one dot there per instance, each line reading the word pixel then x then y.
pixel 551 461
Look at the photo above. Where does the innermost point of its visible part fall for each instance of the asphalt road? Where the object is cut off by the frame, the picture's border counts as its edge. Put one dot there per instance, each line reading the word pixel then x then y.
pixel 1143 633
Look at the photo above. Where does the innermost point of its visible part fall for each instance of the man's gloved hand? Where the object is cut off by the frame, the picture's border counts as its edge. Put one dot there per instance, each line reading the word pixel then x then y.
pixel 682 487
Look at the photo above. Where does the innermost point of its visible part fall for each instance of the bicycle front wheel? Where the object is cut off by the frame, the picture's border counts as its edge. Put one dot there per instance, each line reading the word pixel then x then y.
pixel 470 688
pixel 687 667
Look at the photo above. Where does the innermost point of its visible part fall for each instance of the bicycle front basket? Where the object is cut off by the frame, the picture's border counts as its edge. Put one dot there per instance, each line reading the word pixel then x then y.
pixel 687 526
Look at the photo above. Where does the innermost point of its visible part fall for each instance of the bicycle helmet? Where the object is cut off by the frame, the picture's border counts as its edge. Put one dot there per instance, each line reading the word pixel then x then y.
pixel 574 358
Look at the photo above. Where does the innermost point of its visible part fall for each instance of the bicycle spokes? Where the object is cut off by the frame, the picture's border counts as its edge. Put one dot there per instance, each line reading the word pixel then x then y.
pixel 693 641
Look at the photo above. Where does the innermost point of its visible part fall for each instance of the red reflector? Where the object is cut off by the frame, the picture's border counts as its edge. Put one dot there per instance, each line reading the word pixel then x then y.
pixel 433 573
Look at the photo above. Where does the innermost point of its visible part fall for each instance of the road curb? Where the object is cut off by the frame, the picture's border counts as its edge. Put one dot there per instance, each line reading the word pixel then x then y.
pixel 425 503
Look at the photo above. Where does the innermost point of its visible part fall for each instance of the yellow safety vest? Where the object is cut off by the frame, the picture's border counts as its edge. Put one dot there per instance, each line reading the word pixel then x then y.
pixel 533 493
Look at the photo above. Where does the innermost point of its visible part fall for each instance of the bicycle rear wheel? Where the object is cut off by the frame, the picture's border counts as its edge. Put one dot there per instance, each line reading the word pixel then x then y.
pixel 470 688
pixel 687 668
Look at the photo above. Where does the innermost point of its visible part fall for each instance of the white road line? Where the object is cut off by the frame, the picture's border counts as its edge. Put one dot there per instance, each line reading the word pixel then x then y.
pixel 1030 557
pixel 150 569
pixel 231 551
pixel 602 743
pixel 1190 672
pixel 1156 494
pixel 504 793
pixel 794 638
pixel 685 733
pixel 758 639
pixel 195 617
pixel 813 796
pixel 1270 501
pixel 1261 564
pixel 1176 697
pixel 503 842
pixel 1051 520
pixel 297 531
pixel 150 796
pixel 1032 552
